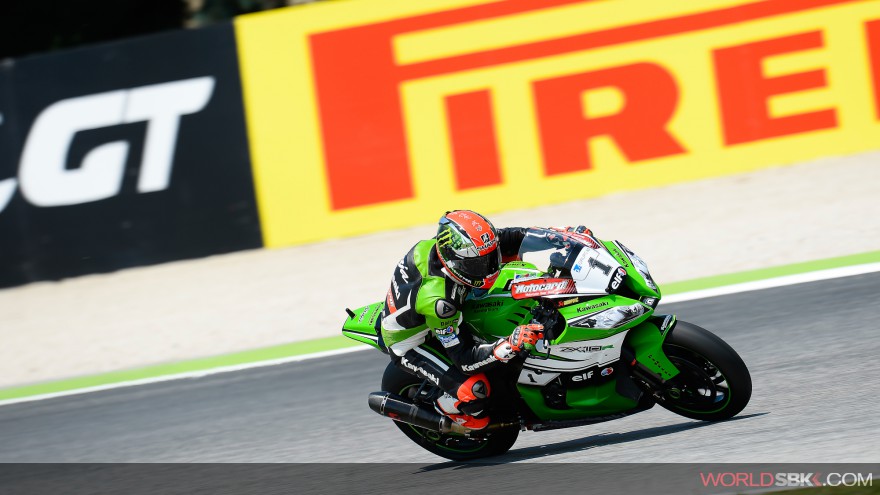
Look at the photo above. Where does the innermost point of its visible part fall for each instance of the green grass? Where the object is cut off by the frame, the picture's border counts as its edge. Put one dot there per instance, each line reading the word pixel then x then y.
pixel 201 364
pixel 765 273
pixel 339 342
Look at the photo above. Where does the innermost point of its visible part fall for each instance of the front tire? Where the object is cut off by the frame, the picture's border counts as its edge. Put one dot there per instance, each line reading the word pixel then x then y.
pixel 714 383
pixel 448 445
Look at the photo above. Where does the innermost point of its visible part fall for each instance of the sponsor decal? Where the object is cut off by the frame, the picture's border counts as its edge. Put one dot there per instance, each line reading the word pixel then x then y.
pixel 376 312
pixel 395 286
pixel 448 339
pixel 389 302
pixel 589 348
pixel 622 258
pixel 476 366
pixel 445 308
pixel 456 293
pixel 607 371
pixel 420 371
pixel 401 268
pixel 659 366
pixel 590 307
pixel 541 287
pixel 667 323
pixel 450 330
pixel 485 307
pixel 485 248
pixel 363 314
pixel 583 377
pixel 617 279
pixel 568 302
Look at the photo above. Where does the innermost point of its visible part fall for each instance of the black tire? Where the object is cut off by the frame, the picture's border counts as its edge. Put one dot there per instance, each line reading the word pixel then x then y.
pixel 714 383
pixel 450 446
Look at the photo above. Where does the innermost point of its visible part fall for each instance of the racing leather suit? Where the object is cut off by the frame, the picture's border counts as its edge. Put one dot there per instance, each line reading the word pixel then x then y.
pixel 422 327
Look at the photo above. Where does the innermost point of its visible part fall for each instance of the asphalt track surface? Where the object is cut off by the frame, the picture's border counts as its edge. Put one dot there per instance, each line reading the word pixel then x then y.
pixel 812 350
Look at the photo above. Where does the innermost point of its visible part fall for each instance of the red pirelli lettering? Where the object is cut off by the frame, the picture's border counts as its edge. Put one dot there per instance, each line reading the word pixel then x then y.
pixel 639 128
pixel 357 82
pixel 744 91
pixel 474 145
pixel 872 34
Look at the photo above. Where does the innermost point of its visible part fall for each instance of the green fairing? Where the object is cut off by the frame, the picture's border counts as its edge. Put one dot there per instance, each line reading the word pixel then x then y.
pixel 571 334
pixel 362 326
pixel 634 280
pixel 599 400
pixel 647 342
pixel 494 313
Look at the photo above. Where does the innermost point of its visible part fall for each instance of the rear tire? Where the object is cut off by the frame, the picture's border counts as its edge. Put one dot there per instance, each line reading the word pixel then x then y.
pixel 714 383
pixel 449 445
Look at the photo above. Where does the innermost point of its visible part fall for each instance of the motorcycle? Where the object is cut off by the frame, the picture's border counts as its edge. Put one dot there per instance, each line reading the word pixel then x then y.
pixel 604 355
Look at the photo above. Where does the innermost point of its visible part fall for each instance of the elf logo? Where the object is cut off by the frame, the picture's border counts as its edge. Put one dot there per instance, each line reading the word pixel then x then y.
pixel 618 278
pixel 46 178
pixel 582 377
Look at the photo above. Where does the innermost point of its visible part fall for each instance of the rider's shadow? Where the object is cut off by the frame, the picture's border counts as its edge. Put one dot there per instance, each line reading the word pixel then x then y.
pixel 605 439
pixel 593 441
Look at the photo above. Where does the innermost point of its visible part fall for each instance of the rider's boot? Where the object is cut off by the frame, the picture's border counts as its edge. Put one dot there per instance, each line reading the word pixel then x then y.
pixel 448 406
pixel 466 408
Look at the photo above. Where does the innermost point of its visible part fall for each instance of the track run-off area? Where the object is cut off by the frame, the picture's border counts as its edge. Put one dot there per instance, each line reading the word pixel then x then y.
pixel 811 348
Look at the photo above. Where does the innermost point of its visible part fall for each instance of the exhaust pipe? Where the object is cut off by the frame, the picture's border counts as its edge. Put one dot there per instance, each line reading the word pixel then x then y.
pixel 403 410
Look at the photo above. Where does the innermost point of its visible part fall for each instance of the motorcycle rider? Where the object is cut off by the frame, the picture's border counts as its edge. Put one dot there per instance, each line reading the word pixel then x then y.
pixel 427 291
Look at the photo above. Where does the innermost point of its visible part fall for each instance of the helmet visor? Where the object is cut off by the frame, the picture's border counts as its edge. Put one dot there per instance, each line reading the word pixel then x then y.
pixel 478 268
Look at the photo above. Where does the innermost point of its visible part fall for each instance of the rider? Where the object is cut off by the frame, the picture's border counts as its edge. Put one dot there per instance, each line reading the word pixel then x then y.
pixel 425 299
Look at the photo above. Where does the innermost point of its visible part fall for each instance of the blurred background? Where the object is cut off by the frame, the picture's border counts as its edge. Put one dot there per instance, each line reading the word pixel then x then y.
pixel 35 27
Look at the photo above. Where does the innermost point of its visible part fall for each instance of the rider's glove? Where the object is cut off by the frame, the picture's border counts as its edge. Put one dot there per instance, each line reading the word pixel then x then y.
pixel 507 349
pixel 580 229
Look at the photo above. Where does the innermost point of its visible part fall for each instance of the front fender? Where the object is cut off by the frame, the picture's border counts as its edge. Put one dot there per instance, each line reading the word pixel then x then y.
pixel 646 341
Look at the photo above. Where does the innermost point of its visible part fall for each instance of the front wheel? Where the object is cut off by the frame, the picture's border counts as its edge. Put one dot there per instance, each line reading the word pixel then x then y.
pixel 713 384
pixel 448 445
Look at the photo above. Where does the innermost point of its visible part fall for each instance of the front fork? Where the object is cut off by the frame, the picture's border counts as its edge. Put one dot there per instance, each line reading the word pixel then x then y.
pixel 649 364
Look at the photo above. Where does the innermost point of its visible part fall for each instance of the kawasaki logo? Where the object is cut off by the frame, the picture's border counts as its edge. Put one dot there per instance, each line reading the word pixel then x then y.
pixel 592 306
pixel 476 366
pixel 418 369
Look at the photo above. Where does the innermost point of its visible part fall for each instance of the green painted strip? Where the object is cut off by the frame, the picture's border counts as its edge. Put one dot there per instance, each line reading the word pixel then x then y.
pixel 201 364
pixel 773 272
pixel 340 342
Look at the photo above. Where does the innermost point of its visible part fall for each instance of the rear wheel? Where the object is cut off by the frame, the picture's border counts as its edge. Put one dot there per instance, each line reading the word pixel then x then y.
pixel 713 384
pixel 448 445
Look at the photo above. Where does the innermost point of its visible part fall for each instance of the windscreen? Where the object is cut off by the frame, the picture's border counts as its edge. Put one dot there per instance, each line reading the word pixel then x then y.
pixel 549 249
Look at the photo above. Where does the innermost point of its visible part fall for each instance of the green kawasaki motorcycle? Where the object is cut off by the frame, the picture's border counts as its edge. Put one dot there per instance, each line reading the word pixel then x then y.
pixel 605 353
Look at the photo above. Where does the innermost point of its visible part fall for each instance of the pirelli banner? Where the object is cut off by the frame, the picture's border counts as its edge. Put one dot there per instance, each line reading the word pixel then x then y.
pixel 378 114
